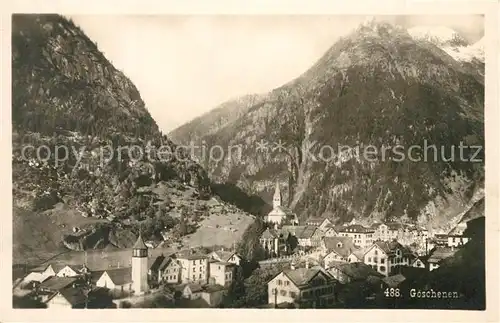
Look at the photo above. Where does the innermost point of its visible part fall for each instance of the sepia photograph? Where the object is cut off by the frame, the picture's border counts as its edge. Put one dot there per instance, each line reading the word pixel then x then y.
pixel 248 161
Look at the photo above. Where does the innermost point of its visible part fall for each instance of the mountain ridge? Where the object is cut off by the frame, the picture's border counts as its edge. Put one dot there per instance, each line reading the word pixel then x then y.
pixel 339 97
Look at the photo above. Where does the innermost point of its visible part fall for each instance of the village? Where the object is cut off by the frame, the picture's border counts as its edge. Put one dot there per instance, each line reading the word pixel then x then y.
pixel 317 258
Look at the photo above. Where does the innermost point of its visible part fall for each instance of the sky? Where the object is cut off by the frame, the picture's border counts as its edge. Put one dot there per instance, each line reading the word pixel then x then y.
pixel 184 66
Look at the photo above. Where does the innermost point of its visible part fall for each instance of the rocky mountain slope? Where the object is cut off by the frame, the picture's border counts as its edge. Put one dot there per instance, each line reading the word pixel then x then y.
pixel 378 86
pixel 78 182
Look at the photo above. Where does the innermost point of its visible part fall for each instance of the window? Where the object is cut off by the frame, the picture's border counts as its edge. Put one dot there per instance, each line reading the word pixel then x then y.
pixel 376 252
pixel 194 277
pixel 274 291
pixel 200 276
pixel 201 268
pixel 280 282
pixel 287 283
pixel 293 294
pixel 218 267
pixel 305 294
pixel 382 268
pixel 382 260
pixel 369 259
pixel 194 262
pixel 283 292
pixel 194 269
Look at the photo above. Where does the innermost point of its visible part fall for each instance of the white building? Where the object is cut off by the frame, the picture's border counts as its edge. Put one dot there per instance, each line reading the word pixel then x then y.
pixel 140 267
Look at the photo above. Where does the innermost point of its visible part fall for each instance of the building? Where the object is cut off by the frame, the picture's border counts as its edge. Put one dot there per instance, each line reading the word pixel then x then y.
pixel 192 291
pixel 118 281
pixel 270 242
pixel 277 214
pixel 307 287
pixel 383 256
pixel 394 230
pixel 321 222
pixel 67 298
pixel 140 267
pixel 456 236
pixel 213 294
pixel 193 267
pixel 361 236
pixel 357 255
pixel 438 255
pixel 336 249
pixel 72 271
pixel 226 256
pixel 221 273
pixel 418 262
pixel 350 272
pixel 331 231
pixel 165 270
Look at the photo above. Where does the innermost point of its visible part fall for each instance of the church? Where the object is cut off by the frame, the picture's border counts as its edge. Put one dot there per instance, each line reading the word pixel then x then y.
pixel 279 214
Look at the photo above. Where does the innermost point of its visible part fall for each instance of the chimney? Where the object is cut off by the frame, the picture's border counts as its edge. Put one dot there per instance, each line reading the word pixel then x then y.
pixel 307 264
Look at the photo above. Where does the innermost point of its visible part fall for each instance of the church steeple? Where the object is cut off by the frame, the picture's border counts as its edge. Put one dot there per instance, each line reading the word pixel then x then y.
pixel 139 249
pixel 140 266
pixel 277 196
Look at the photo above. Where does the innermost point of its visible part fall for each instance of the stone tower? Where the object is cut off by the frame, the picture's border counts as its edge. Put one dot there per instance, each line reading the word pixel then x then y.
pixel 139 266
pixel 277 196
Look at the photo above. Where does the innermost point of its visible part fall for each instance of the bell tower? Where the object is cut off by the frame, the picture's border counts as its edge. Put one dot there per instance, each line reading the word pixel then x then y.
pixel 139 266
pixel 277 196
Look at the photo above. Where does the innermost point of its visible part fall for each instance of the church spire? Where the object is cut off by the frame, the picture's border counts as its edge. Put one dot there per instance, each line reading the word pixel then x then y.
pixel 277 196
pixel 139 244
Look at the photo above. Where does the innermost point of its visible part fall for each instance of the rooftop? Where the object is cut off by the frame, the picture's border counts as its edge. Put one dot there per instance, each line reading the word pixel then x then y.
pixel 120 276
pixel 56 283
pixel 357 270
pixel 356 228
pixel 139 244
pixel 302 276
pixel 341 245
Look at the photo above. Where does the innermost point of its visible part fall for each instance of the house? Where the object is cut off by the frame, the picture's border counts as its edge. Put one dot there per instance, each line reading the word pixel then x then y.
pixel 438 255
pixel 34 277
pixel 394 230
pixel 310 236
pixel 418 262
pixel 170 271
pixel 165 269
pixel 193 267
pixel 118 281
pixel 455 237
pixel 71 271
pixel 308 287
pixel 67 298
pixel 381 232
pixel 321 222
pixel 192 291
pixel 226 256
pixel 384 256
pixel 361 236
pixel 55 283
pixel 336 249
pixel 331 231
pixel 357 255
pixel 349 272
pixel 213 294
pixel 222 273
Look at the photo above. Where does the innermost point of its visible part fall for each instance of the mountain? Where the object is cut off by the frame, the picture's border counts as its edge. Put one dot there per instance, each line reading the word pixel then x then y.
pixel 470 56
pixel 225 113
pixel 88 160
pixel 377 86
